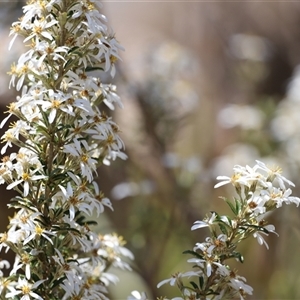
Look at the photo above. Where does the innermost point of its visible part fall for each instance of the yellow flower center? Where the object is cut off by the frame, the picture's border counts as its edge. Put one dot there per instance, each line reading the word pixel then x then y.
pixel 55 103
pixel 39 230
pixel 26 290
pixel 25 176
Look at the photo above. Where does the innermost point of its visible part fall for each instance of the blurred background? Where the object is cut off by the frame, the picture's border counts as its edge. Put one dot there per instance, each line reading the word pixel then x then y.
pixel 206 85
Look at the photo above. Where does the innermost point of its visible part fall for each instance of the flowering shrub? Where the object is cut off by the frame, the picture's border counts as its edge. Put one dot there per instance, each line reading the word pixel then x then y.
pixel 259 190
pixel 62 136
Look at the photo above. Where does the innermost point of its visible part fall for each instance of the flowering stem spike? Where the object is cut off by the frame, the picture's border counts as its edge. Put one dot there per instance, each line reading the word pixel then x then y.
pixel 62 137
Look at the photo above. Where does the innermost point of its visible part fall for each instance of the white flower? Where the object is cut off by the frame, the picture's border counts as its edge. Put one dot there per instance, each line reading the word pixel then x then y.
pixel 276 196
pixel 72 285
pixel 256 203
pixel 235 281
pixel 78 236
pixel 135 295
pixel 37 232
pixel 72 201
pixel 274 174
pixel 97 201
pixel 259 237
pixel 50 50
pixel 25 290
pixel 41 28
pixel 67 266
pixel 9 138
pixel 245 116
pixel 241 286
pixel 236 179
pixel 93 16
pixel 114 250
pixel 26 178
pixel 81 149
pixel 3 264
pixel 175 279
pixel 205 223
pixel 205 264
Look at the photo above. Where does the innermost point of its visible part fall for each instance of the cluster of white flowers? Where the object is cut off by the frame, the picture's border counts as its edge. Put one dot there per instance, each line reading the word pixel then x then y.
pixel 260 189
pixel 63 137
pixel 263 188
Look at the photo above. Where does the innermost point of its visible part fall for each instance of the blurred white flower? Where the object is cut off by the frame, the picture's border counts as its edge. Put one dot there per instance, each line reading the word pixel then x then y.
pixel 135 295
pixel 245 116
pixel 241 154
pixel 250 47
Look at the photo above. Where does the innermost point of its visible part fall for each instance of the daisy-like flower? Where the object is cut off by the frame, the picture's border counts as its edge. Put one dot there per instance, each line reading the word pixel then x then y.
pixel 72 285
pixel 176 278
pixel 273 174
pixel 40 27
pixel 97 200
pixel 72 201
pixel 11 136
pixel 207 222
pixel 66 266
pixel 236 180
pixel 24 290
pixel 113 249
pixel 110 96
pixel 78 235
pixel 238 283
pixel 50 51
pixel 207 264
pixel 91 12
pixel 81 149
pixel 274 197
pixel 21 262
pixel 256 204
pixel 52 102
pixel 12 110
pixel 37 232
pixel 26 178
pixel 259 234
pixel 21 72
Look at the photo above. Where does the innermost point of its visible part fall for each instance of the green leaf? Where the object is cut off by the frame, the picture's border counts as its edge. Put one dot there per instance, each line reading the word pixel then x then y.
pixel 196 254
pixel 24 203
pixel 201 282
pixel 238 256
pixel 43 221
pixel 237 205
pixel 212 292
pixel 58 282
pixel 195 286
pixel 258 228
pixel 73 49
pixel 68 63
pixel 56 6
pixel 73 4
pixel 66 229
pixel 223 228
pixel 90 68
pixel 56 175
pixel 232 207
